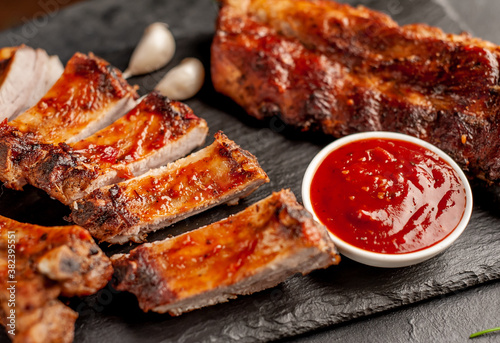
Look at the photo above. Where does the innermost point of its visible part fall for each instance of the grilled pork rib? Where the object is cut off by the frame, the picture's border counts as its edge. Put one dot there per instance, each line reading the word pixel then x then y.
pixel 219 173
pixel 49 261
pixel 87 97
pixel 155 132
pixel 25 75
pixel 328 66
pixel 253 250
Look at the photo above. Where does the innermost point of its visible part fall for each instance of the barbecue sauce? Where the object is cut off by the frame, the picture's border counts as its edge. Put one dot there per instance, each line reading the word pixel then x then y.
pixel 387 196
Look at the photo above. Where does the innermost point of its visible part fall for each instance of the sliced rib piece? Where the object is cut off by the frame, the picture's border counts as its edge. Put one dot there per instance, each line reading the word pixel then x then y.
pixel 43 78
pixel 250 251
pixel 87 97
pixel 328 66
pixel 17 77
pixel 49 262
pixel 155 132
pixel 10 99
pixel 219 173
pixel 25 75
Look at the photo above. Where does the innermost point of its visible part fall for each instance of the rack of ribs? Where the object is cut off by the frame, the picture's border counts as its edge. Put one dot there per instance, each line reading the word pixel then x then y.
pixel 331 67
pixel 250 251
pixel 155 132
pixel 88 96
pixel 219 173
pixel 25 75
pixel 48 262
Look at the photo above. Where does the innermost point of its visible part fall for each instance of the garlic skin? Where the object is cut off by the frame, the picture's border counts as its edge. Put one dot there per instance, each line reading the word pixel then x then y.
pixel 183 81
pixel 155 49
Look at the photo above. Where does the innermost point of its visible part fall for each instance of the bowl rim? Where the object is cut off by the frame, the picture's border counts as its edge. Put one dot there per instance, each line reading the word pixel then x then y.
pixel 381 259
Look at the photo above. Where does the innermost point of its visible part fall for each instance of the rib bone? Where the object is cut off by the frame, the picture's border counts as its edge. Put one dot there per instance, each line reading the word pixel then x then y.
pixel 245 253
pixel 219 173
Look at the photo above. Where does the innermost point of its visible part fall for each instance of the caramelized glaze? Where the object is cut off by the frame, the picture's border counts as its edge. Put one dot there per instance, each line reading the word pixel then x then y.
pixel 87 88
pixel 152 124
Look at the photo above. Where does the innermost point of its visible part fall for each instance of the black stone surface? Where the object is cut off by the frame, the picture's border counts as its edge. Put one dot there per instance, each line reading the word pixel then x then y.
pixel 350 302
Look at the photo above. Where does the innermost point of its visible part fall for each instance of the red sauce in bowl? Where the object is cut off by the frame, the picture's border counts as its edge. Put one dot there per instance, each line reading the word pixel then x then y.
pixel 387 195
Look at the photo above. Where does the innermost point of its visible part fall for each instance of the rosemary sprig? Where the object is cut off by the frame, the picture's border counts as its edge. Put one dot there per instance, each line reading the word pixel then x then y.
pixel 483 332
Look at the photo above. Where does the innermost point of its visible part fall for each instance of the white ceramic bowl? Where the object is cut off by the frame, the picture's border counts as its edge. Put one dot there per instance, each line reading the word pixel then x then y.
pixel 381 259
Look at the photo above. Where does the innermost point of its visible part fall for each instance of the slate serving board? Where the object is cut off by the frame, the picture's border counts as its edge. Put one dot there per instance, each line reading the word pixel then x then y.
pixel 110 29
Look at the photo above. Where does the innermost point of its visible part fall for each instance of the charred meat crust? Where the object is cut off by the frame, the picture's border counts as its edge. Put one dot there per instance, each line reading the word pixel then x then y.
pixel 228 252
pixel 189 184
pixel 100 78
pixel 130 274
pixel 17 150
pixel 104 212
pixel 50 262
pixel 24 158
pixel 327 66
pixel 60 171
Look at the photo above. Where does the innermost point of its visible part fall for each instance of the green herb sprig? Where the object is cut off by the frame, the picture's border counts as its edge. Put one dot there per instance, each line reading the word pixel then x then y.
pixel 483 332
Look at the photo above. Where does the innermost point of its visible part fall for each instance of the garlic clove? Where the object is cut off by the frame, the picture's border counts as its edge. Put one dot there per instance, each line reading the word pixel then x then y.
pixel 183 81
pixel 155 49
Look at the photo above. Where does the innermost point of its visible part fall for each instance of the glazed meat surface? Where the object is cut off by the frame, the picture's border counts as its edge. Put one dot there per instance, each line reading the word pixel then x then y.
pixel 250 251
pixel 89 95
pixel 155 132
pixel 331 67
pixel 219 173
pixel 49 262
